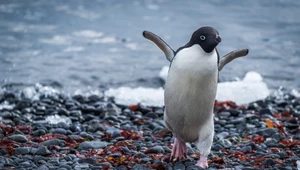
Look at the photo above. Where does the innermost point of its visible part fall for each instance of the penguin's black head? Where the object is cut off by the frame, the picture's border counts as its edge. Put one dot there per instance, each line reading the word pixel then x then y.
pixel 207 37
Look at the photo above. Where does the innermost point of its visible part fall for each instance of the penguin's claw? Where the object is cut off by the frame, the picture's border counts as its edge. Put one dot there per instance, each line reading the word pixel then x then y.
pixel 179 150
pixel 202 162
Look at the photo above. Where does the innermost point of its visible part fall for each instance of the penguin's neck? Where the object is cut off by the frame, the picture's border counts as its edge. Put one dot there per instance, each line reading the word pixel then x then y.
pixel 195 59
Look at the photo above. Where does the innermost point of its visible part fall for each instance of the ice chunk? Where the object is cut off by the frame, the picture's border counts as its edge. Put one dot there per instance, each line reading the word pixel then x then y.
pixel 163 74
pixel 250 89
pixel 128 96
pixel 54 119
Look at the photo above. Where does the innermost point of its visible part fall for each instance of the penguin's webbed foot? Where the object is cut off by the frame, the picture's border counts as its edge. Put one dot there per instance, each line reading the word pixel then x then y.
pixel 202 162
pixel 179 151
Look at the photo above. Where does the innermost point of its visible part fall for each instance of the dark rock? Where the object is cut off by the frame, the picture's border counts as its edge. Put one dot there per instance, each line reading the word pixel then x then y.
pixel 18 138
pixel 86 135
pixel 234 112
pixel 266 111
pixel 194 167
pixel 225 143
pixel 86 160
pixel 39 132
pixel 52 142
pixel 155 149
pixel 42 151
pixel 222 135
pixel 271 143
pixel 267 132
pixel 140 167
pixel 42 167
pixel 268 162
pixel 22 150
pixel 122 167
pixel 59 131
pixel 151 115
pixel 92 145
pixel 178 166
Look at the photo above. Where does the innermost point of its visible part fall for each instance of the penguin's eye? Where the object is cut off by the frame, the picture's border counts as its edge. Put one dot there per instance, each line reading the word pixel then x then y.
pixel 202 37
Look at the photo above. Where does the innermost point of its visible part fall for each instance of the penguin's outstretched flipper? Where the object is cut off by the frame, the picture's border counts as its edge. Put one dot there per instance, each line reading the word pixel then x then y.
pixel 231 56
pixel 169 52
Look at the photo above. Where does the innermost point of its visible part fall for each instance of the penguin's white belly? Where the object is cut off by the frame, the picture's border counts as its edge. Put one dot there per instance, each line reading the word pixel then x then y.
pixel 190 92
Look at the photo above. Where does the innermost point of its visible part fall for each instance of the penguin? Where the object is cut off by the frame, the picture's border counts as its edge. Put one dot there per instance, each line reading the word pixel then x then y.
pixel 190 90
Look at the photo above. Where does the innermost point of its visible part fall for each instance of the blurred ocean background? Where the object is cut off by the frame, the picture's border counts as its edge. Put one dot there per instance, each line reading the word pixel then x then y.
pixel 98 44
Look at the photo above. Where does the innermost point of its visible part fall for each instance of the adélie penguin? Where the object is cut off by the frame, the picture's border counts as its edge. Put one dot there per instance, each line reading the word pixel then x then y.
pixel 190 90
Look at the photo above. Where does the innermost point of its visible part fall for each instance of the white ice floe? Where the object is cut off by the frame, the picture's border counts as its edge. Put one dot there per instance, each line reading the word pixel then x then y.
pixel 147 96
pixel 163 74
pixel 296 93
pixel 250 89
pixel 55 119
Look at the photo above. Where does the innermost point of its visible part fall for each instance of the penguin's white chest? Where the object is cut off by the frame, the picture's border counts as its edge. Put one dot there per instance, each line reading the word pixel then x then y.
pixel 190 91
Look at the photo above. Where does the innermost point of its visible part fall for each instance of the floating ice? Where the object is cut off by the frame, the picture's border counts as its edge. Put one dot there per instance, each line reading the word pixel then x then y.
pixel 250 89
pixel 54 119
pixel 128 96
pixel 163 74
pixel 296 93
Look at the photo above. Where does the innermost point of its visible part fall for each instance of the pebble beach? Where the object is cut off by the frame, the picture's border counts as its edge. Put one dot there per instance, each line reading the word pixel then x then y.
pixel 57 131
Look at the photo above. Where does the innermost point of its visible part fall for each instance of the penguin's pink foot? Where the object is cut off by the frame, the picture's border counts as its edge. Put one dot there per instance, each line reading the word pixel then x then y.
pixel 179 150
pixel 202 162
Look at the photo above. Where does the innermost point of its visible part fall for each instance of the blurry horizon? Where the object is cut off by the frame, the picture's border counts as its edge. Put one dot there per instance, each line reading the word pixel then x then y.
pixel 79 44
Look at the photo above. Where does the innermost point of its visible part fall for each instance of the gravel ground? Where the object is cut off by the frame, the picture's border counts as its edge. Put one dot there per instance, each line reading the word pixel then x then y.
pixel 104 135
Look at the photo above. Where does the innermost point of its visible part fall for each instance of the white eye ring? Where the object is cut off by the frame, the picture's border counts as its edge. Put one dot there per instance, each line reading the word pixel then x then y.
pixel 202 37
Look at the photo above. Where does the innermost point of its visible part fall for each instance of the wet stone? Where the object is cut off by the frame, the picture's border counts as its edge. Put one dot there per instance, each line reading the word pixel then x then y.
pixel 42 151
pixel 222 135
pixel 52 142
pixel 178 166
pixel 59 131
pixel 86 135
pixel 268 162
pixel 267 132
pixel 92 145
pixel 87 160
pixel 140 167
pixel 18 138
pixel 155 149
pixel 22 150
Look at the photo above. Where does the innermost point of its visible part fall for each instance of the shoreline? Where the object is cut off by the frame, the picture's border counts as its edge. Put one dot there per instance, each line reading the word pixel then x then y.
pixel 96 133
